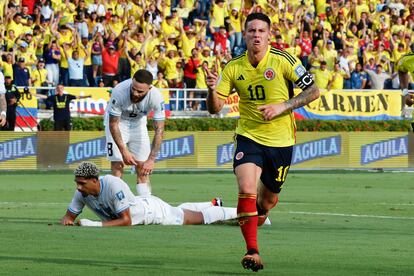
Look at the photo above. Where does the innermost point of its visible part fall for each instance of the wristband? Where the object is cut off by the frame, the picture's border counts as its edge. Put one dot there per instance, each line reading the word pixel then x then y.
pixel 91 223
pixel 3 113
pixel 405 92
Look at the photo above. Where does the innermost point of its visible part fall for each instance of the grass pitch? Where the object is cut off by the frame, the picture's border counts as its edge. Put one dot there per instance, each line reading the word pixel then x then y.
pixel 325 224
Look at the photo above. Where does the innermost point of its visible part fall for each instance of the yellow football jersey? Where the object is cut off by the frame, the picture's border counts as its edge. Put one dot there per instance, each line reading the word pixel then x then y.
pixel 406 64
pixel 270 82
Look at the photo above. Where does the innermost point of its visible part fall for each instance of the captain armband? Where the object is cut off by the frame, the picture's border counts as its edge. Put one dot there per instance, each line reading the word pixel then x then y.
pixel 305 81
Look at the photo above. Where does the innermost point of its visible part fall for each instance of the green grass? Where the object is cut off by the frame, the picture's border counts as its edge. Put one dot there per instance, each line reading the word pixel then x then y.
pixel 314 231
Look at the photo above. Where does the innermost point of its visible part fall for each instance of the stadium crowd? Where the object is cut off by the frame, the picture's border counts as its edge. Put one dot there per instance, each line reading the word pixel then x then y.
pixel 346 44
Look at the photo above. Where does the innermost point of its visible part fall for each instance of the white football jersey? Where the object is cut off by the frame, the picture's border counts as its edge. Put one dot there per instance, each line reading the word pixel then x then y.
pixel 115 196
pixel 120 104
pixel 2 87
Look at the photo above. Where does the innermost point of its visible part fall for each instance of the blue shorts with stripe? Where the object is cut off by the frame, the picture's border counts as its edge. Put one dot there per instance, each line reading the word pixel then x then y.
pixel 274 161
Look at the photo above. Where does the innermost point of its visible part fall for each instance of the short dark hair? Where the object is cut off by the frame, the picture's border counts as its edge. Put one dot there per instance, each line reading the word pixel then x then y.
pixel 258 16
pixel 143 76
pixel 87 170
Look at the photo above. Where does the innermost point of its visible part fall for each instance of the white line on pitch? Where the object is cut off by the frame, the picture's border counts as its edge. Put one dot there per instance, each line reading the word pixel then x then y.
pixel 343 215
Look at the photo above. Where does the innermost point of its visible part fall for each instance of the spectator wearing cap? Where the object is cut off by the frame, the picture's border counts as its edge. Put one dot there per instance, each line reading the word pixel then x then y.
pixel 29 56
pixel 21 74
pixel 12 98
pixel 39 75
pixel 75 66
pixel 110 61
pixel 329 53
pixel 206 56
pixel 52 56
pixel 189 38
pixel 168 63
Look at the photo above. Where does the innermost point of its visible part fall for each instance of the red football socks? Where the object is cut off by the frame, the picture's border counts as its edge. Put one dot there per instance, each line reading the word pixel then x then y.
pixel 247 214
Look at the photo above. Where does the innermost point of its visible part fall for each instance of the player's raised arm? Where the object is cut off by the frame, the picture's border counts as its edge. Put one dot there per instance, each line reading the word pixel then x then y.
pixel 214 103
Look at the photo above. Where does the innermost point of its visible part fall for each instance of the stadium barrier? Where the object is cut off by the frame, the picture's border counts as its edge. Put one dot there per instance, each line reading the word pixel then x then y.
pixel 332 105
pixel 208 150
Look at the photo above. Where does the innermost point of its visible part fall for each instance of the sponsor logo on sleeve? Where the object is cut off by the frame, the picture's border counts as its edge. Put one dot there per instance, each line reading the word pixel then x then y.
pixel 300 70
pixel 120 195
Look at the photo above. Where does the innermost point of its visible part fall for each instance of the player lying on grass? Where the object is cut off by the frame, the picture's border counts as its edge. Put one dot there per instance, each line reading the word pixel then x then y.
pixel 111 199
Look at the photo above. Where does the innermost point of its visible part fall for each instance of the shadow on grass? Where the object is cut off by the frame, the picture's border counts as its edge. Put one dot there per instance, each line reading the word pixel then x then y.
pixel 141 263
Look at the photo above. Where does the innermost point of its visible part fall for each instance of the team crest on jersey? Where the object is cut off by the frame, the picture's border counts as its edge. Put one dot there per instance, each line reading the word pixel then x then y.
pixel 120 195
pixel 269 74
pixel 239 155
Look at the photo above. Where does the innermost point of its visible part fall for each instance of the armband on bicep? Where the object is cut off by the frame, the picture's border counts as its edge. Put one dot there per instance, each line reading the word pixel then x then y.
pixel 305 81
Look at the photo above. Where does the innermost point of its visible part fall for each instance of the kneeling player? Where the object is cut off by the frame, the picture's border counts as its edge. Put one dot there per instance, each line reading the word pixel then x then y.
pixel 111 199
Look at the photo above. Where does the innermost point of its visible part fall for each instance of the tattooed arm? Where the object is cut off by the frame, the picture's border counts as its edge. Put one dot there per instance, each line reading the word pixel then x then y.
pixel 308 95
pixel 270 111
pixel 157 140
pixel 127 156
pixel 148 165
pixel 3 109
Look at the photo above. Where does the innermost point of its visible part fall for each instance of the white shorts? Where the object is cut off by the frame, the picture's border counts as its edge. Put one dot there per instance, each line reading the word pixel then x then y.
pixel 135 137
pixel 157 211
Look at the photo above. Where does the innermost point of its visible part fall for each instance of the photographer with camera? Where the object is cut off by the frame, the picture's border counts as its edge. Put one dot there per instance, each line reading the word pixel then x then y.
pixel 190 74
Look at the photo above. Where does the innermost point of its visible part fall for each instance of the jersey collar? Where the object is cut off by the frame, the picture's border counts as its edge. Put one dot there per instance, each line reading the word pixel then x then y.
pixel 261 64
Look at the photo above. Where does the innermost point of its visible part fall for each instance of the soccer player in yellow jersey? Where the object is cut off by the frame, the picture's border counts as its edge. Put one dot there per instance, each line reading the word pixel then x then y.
pixel 264 78
pixel 405 67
